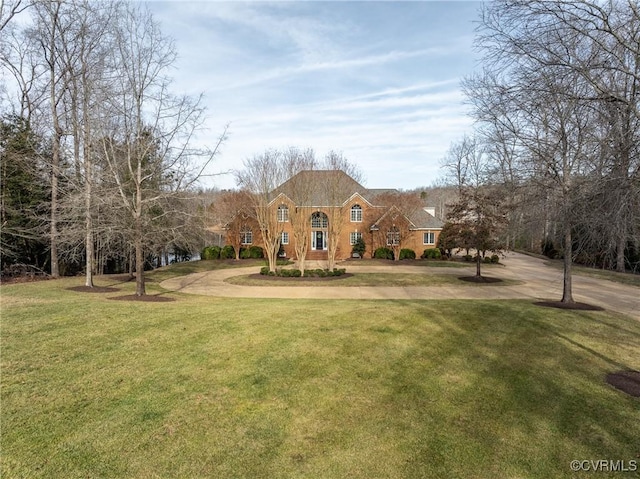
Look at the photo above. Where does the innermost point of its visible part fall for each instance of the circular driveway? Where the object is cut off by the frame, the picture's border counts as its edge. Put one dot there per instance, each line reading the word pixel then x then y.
pixel 538 282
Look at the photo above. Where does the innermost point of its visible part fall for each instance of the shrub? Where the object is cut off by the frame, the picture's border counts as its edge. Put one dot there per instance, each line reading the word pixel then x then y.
pixel 296 273
pixel 432 253
pixel 264 270
pixel 383 253
pixel 495 258
pixel 487 259
pixel 467 257
pixel 210 252
pixel 359 247
pixel 252 252
pixel 406 253
pixel 228 252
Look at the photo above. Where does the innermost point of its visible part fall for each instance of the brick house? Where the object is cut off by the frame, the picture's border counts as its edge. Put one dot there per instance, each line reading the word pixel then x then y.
pixel 338 208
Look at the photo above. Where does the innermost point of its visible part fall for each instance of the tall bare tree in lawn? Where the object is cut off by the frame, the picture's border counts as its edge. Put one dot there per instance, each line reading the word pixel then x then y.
pixel 147 132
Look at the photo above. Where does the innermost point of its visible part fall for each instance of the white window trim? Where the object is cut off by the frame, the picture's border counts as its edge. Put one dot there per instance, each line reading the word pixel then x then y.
pixel 354 236
pixel 356 214
pixel 283 214
pixel 244 235
pixel 283 236
pixel 431 234
pixel 393 240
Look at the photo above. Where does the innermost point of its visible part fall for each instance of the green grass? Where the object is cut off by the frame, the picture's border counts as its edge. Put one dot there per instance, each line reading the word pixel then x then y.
pixel 189 267
pixel 205 387
pixel 623 278
pixel 369 279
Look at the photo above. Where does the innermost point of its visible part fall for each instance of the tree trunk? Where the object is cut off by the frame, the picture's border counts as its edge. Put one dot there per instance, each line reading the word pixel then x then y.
pixel 620 264
pixel 89 246
pixel 140 289
pixel 478 265
pixel 567 295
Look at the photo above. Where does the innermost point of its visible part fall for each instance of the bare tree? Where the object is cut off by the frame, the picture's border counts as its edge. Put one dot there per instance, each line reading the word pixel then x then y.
pixel 479 213
pixel 394 227
pixel 300 188
pixel 261 176
pixel 146 132
pixel 338 190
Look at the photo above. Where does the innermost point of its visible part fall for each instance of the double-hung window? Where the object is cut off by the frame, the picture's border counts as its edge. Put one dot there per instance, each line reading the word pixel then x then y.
pixel 283 214
pixel 354 237
pixel 429 238
pixel 246 236
pixel 393 238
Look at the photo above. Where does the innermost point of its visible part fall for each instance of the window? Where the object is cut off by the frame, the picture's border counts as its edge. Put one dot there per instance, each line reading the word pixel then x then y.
pixel 356 214
pixel 354 237
pixel 284 238
pixel 246 236
pixel 319 220
pixel 429 238
pixel 283 214
pixel 393 238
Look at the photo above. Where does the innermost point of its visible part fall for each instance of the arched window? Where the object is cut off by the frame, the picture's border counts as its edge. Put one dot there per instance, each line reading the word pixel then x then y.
pixel 356 214
pixel 283 214
pixel 319 220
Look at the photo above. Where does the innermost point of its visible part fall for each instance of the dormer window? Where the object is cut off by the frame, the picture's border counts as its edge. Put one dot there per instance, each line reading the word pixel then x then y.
pixel 356 214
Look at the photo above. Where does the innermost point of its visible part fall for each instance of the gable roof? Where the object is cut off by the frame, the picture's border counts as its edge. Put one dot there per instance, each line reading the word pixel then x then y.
pixel 419 219
pixel 312 188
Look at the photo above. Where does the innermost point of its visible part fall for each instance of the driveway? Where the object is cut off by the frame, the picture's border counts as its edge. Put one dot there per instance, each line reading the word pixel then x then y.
pixel 539 282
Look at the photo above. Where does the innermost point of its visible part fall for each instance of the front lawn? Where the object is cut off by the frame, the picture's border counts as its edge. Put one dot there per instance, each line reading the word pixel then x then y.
pixel 205 387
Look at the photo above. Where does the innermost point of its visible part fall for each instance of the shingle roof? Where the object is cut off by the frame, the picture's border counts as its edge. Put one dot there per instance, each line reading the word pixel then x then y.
pixel 313 188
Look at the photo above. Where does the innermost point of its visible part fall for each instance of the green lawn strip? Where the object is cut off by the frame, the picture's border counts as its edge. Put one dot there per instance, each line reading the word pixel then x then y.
pixel 370 279
pixel 204 387
pixel 189 267
pixel 623 278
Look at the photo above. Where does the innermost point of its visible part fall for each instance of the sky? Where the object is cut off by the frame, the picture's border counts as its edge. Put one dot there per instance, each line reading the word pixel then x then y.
pixel 377 81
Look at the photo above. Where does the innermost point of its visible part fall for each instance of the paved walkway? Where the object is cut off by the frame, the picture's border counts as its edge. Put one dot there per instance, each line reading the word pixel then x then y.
pixel 539 282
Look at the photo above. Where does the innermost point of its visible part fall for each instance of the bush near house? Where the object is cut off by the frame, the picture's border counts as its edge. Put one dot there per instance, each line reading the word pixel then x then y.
pixel 252 252
pixel 406 253
pixel 431 253
pixel 296 273
pixel 359 248
pixel 228 252
pixel 383 253
pixel 210 252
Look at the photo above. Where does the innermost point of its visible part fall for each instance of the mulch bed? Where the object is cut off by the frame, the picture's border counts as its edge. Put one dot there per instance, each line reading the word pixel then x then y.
pixel 266 277
pixel 147 298
pixel 479 279
pixel 572 306
pixel 95 289
pixel 625 381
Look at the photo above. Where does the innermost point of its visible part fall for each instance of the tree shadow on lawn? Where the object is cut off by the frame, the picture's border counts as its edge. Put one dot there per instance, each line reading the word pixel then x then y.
pixel 146 298
pixel 525 379
pixel 480 279
pixel 576 306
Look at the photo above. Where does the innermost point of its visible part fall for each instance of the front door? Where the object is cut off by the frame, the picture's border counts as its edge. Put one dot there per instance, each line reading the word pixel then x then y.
pixel 319 240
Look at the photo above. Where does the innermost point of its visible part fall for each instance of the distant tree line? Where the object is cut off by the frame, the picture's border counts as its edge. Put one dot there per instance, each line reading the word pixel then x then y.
pixel 98 163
